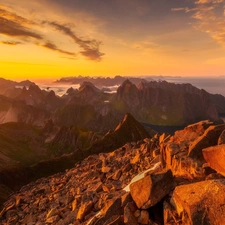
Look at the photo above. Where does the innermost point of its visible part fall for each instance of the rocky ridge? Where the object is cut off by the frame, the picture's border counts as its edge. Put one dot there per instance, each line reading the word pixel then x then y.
pixel 160 180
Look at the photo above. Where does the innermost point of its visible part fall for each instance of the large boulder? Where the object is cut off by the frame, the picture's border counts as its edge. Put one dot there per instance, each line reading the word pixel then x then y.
pixel 209 138
pixel 200 203
pixel 191 132
pixel 215 157
pixel 149 190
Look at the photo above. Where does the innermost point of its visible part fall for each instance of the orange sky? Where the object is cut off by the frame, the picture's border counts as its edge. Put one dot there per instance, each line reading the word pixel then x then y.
pixel 55 38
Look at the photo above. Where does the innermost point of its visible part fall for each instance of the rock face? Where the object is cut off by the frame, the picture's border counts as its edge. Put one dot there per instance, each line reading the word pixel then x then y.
pixel 151 189
pixel 209 138
pixel 166 184
pixel 215 157
pixel 200 203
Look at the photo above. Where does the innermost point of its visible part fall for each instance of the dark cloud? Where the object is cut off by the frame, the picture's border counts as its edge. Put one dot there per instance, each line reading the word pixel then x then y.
pixel 11 42
pixel 14 25
pixel 13 28
pixel 90 48
pixel 53 47
pixel 13 16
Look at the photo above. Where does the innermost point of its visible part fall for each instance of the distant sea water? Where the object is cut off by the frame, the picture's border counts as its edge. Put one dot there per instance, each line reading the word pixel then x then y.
pixel 210 84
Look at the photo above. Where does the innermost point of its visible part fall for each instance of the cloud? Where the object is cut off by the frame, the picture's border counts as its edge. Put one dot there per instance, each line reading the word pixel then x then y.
pixel 11 42
pixel 53 47
pixel 90 48
pixel 185 9
pixel 33 30
pixel 208 1
pixel 13 28
pixel 209 18
pixel 14 17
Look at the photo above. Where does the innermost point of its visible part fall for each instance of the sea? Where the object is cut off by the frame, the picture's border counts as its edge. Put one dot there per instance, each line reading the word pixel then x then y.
pixel 213 85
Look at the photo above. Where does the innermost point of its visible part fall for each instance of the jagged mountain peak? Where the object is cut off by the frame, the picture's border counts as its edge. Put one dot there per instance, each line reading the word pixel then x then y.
pixel 130 126
pixel 87 87
pixel 128 130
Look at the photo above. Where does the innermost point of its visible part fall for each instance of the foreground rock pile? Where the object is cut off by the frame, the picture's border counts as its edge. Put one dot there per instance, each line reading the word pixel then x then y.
pixel 163 180
pixel 81 192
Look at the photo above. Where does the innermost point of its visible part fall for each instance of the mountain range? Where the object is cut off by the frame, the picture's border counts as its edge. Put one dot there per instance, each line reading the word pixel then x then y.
pixel 42 134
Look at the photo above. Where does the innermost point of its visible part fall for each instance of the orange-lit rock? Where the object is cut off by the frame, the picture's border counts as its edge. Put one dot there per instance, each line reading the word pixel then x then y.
pixel 149 190
pixel 215 157
pixel 200 203
pixel 209 138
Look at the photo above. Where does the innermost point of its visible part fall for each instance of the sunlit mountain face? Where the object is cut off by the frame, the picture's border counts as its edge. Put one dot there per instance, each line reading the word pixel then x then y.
pixel 51 39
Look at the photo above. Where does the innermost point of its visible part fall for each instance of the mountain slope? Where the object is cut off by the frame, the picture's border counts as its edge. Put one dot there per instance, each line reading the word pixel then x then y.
pixel 163 103
pixel 128 130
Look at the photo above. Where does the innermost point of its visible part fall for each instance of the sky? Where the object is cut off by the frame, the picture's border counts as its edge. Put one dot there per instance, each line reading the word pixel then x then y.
pixel 57 38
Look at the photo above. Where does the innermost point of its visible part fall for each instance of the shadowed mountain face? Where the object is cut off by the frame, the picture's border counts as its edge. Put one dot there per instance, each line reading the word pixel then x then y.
pixel 157 103
pixel 164 103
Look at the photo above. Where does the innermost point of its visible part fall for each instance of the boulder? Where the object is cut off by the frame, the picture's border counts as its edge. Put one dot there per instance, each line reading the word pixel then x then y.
pixel 149 190
pixel 192 131
pixel 209 138
pixel 215 157
pixel 200 203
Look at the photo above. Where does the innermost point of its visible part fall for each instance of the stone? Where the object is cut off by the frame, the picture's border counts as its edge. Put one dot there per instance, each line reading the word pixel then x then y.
pixel 192 131
pixel 74 205
pixel 117 174
pixel 97 187
pixel 209 138
pixel 52 212
pixel 215 158
pixel 52 220
pixel 106 169
pixel 84 209
pixel 168 152
pixel 200 203
pixel 135 159
pixel 149 190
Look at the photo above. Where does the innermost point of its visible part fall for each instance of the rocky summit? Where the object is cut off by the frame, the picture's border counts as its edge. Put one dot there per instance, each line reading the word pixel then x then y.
pixel 158 180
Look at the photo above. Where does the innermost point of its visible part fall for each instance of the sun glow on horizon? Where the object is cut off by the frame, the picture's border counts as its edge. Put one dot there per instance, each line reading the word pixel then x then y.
pixel 152 40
